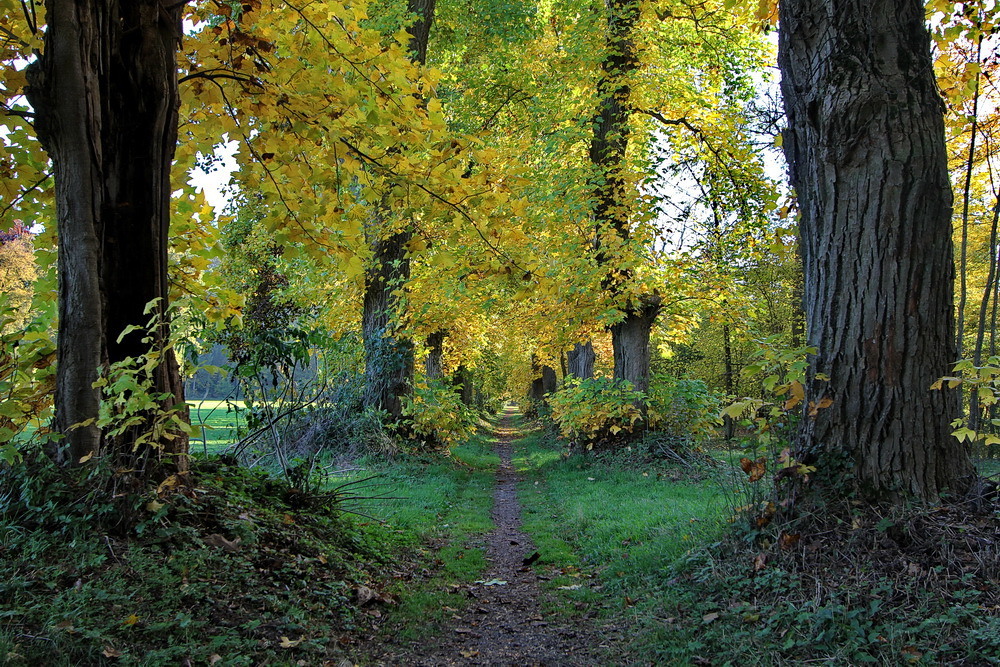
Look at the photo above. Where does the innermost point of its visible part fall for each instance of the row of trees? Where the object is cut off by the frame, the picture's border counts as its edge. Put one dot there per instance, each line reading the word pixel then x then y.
pixel 466 183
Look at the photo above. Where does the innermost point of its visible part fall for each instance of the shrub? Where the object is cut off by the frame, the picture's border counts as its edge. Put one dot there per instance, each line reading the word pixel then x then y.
pixel 596 409
pixel 436 414
pixel 601 410
pixel 682 408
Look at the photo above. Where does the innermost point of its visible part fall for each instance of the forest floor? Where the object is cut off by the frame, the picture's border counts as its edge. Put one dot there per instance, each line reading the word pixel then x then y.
pixel 507 550
pixel 505 622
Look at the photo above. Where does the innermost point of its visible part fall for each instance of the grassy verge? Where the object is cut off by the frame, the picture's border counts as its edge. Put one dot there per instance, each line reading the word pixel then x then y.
pixel 625 521
pixel 438 507
pixel 916 587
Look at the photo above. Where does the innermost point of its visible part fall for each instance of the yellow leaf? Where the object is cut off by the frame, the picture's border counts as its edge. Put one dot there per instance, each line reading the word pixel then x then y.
pixel 798 393
pixel 86 457
pixel 355 267
pixel 169 483
pixel 288 643
pixel 132 619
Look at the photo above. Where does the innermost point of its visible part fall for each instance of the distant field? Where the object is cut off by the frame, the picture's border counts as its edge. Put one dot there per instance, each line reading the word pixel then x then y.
pixel 215 423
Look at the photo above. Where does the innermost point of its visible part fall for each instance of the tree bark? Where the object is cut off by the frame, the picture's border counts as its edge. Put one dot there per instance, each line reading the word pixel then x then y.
pixel 389 359
pixel 434 367
pixel 549 380
pixel 865 145
pixel 544 380
pixel 630 340
pixel 106 100
pixel 580 361
pixel 465 381
pixel 728 424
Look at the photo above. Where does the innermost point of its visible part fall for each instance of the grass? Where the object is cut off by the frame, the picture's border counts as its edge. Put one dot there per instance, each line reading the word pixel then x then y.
pixel 624 520
pixel 695 589
pixel 243 569
pixel 642 541
pixel 216 425
pixel 437 507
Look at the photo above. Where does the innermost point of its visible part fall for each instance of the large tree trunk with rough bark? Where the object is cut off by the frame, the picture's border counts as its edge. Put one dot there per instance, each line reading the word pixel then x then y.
pixel 866 150
pixel 580 361
pixel 106 100
pixel 630 340
pixel 388 358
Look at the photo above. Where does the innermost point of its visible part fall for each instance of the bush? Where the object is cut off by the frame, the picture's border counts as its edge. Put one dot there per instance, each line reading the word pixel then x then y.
pixel 605 410
pixel 682 408
pixel 436 414
pixel 596 409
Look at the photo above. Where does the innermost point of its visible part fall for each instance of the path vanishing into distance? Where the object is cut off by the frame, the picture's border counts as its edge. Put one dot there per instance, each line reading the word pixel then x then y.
pixel 504 622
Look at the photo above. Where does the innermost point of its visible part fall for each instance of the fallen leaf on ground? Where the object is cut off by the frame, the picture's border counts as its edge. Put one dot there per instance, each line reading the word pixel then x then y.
pixel 365 595
pixel 229 546
pixel 708 618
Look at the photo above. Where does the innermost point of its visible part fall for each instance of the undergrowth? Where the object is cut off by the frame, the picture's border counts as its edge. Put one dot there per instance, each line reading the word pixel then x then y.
pixel 240 569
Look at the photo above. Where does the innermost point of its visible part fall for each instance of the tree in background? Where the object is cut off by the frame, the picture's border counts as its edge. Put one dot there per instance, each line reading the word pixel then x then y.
pixel 17 272
pixel 865 144
pixel 389 356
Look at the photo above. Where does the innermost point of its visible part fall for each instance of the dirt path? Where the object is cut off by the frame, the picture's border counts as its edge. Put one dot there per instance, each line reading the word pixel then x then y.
pixel 504 623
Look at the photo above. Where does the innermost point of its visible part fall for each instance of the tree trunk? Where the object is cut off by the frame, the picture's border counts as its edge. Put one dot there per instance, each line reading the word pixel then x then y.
pixel 975 407
pixel 580 361
pixel 463 377
pixel 865 145
pixel 106 100
pixel 728 377
pixel 434 367
pixel 537 391
pixel 630 340
pixel 389 359
pixel 550 381
pixel 612 212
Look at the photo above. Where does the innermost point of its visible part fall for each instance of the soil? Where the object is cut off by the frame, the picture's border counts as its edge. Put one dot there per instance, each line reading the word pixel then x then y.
pixel 504 622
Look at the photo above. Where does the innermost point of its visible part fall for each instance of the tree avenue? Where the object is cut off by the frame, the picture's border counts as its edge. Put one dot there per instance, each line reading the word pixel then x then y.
pixel 566 201
pixel 469 256
pixel 865 145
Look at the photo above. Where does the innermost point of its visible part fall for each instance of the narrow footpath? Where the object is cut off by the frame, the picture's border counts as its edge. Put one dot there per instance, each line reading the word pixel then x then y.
pixel 504 623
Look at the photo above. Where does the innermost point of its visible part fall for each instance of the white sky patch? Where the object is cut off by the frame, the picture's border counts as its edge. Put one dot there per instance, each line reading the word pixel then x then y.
pixel 215 181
